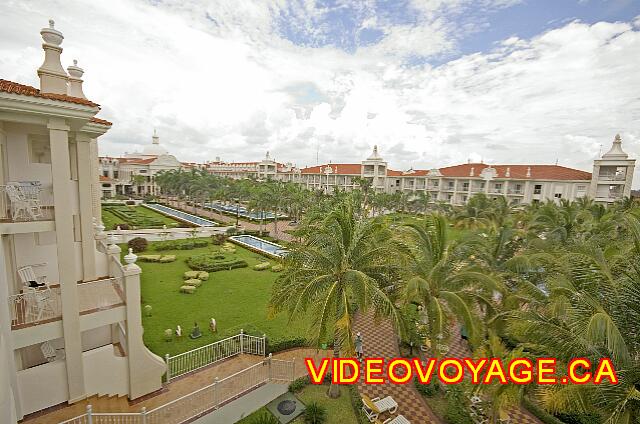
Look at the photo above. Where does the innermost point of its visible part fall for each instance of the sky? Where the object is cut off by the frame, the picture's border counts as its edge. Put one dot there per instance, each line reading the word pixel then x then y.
pixel 431 82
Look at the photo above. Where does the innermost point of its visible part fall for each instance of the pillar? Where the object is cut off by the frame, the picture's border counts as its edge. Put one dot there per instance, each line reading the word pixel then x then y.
pixel 85 196
pixel 63 214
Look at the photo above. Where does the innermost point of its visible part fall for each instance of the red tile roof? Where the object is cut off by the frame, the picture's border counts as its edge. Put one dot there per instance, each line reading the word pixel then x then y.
pixel 27 90
pixel 538 172
pixel 338 169
pixel 100 121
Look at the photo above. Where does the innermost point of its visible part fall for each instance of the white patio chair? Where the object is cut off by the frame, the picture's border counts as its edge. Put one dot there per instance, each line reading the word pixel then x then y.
pixel 27 275
pixel 400 419
pixel 25 199
pixel 39 303
pixel 50 353
pixel 376 406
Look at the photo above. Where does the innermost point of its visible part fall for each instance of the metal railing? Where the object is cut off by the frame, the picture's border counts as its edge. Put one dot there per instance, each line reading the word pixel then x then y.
pixel 612 177
pixel 201 401
pixel 35 306
pixel 23 201
pixel 201 357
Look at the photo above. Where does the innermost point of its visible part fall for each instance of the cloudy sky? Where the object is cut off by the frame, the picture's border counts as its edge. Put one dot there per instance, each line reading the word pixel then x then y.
pixel 432 82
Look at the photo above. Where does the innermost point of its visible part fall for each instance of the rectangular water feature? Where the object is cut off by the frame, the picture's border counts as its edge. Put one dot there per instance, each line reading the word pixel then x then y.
pixel 259 244
pixel 180 215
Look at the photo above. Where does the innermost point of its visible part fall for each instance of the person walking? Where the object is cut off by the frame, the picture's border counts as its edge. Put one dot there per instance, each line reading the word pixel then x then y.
pixel 358 343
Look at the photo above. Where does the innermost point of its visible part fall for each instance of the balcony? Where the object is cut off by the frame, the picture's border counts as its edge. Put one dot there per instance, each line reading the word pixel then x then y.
pixel 515 191
pixel 475 189
pixel 612 177
pixel 24 202
pixel 43 305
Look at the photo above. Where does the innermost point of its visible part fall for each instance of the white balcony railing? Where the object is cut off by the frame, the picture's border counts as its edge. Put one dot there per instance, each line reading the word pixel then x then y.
pixel 23 201
pixel 201 401
pixel 201 357
pixel 612 177
pixel 41 305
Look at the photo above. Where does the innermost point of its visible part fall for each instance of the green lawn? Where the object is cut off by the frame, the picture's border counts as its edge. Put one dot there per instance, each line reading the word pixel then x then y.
pixel 111 221
pixel 339 410
pixel 236 299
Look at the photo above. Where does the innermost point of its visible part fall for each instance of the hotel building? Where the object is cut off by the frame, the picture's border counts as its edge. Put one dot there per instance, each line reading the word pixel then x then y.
pixel 79 333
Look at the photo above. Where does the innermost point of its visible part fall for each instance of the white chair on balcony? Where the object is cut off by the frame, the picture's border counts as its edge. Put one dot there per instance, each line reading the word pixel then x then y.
pixel 39 304
pixel 50 353
pixel 29 278
pixel 25 199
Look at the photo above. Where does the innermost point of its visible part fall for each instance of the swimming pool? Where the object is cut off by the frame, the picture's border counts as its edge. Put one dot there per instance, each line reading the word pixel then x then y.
pixel 260 244
pixel 182 216
pixel 242 211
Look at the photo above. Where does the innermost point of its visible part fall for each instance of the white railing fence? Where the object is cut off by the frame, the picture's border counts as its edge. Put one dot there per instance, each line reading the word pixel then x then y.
pixel 35 306
pixel 201 401
pixel 104 293
pixel 195 359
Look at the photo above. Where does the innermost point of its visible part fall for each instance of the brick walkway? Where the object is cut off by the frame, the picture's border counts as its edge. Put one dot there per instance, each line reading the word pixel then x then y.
pixel 380 341
pixel 227 219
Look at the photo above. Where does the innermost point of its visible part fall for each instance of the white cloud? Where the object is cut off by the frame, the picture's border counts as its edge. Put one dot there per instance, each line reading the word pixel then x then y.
pixel 218 80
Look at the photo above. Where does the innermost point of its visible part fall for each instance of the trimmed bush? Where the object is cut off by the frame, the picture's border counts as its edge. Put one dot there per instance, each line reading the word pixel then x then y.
pixel 150 258
pixel 315 413
pixel 193 282
pixel 203 275
pixel 168 335
pixel 218 239
pixel 457 411
pixel 130 202
pixel 184 244
pixel 188 289
pixel 123 226
pixel 274 346
pixel 138 244
pixel 356 403
pixel 190 274
pixel 209 263
pixel 262 266
pixel 167 258
pixel 147 310
pixel 265 418
pixel 298 384
pixel 427 390
pixel 277 268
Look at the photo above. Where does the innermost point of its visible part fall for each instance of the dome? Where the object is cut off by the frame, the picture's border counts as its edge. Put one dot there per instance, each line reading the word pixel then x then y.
pixel 155 149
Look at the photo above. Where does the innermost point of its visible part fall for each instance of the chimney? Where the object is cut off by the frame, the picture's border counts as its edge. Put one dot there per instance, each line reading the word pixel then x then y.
pixel 472 172
pixel 528 175
pixel 75 80
pixel 53 78
pixel 508 172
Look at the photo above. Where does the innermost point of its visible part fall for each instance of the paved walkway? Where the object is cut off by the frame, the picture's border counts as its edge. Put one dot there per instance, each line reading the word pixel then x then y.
pixel 281 234
pixel 177 388
pixel 380 341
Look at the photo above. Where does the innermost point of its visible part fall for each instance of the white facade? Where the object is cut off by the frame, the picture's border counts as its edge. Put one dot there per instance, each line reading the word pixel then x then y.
pixel 134 174
pixel 83 335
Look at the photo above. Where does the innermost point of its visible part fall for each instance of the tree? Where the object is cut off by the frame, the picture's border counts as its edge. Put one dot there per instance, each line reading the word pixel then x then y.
pixel 342 266
pixel 443 284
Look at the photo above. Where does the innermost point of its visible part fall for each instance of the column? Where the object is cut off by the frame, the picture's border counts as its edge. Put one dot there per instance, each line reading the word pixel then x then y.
pixel 63 213
pixel 85 196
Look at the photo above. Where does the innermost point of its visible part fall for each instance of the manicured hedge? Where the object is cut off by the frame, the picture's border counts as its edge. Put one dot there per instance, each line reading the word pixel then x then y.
pixel 212 263
pixel 274 346
pixel 132 217
pixel 184 244
pixel 540 413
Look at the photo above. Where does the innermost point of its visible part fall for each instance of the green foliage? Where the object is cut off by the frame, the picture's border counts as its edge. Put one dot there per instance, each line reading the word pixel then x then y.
pixel 457 409
pixel 262 266
pixel 212 263
pixel 299 383
pixel 356 404
pixel 275 346
pixel 218 239
pixel 148 310
pixel 277 268
pixel 168 334
pixel 138 217
pixel 579 418
pixel 264 418
pixel 315 413
pixel 427 390
pixel 138 244
pixel 183 244
pixel 540 413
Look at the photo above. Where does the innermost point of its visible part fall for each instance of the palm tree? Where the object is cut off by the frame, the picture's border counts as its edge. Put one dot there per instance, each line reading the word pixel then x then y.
pixel 341 267
pixel 441 282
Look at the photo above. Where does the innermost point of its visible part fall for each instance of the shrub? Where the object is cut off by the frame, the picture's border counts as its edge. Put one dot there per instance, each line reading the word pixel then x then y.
pixel 457 411
pixel 168 335
pixel 188 289
pixel 428 390
pixel 193 282
pixel 130 203
pixel 285 344
pixel 138 244
pixel 190 274
pixel 185 244
pixel 315 413
pixel 203 275
pixel 262 266
pixel 231 231
pixel 150 258
pixel 298 384
pixel 356 404
pixel 167 258
pixel 277 268
pixel 147 310
pixel 265 418
pixel 579 418
pixel 218 239
pixel 123 226
pixel 209 263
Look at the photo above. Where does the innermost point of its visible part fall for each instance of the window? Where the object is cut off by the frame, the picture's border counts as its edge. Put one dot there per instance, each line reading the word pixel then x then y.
pixel 535 201
pixel 115 175
pixel 465 186
pixel 558 195
pixel 464 198
pixel 451 184
pixel 537 189
pixel 143 171
pixel 39 149
pixel 105 173
pixel 582 188
pixel 498 186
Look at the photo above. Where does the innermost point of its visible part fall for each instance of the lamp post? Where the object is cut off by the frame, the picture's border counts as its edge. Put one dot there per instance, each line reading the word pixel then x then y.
pixel 237 212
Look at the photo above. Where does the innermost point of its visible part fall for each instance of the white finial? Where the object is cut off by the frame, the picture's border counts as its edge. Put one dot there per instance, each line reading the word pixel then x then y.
pixel 472 172
pixel 75 80
pixel 53 78
pixel 155 139
pixel 616 151
pixel 528 175
pixel 75 62
pixel 508 172
pixel 52 24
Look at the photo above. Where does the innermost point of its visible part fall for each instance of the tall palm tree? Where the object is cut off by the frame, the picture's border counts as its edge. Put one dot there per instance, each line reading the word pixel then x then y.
pixel 442 281
pixel 341 267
